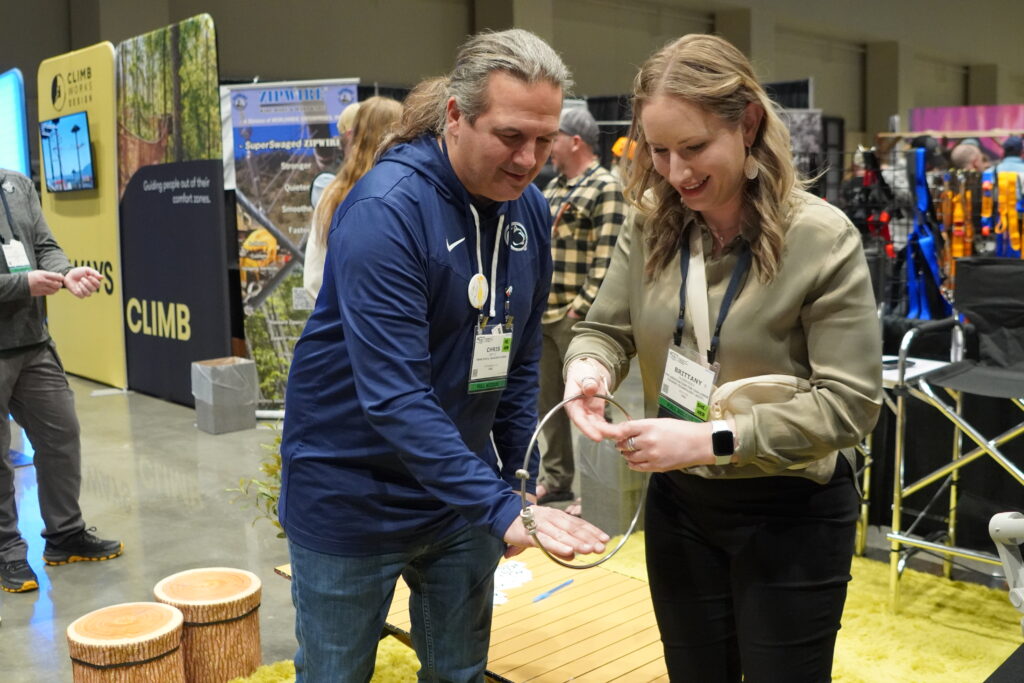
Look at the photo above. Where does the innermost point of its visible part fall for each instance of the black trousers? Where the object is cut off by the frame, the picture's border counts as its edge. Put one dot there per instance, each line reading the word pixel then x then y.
pixel 34 388
pixel 748 577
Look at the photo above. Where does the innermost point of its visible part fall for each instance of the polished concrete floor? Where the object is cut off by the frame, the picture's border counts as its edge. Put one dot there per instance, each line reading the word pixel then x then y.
pixel 153 480
pixel 150 478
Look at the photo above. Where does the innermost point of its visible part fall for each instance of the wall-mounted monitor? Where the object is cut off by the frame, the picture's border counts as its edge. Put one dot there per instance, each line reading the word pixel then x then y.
pixel 67 153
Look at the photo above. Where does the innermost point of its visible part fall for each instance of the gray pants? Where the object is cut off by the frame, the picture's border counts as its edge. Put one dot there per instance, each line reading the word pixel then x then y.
pixel 34 389
pixel 557 464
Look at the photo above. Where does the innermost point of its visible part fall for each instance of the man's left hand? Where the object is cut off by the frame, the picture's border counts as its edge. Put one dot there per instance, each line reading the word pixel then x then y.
pixel 563 535
pixel 82 281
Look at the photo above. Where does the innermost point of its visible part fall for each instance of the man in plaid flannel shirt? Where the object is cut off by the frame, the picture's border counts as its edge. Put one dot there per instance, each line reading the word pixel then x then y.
pixel 588 210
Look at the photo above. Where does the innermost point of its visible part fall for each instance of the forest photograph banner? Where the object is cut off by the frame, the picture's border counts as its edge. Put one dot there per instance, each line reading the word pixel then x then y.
pixel 168 108
pixel 283 136
pixel 173 223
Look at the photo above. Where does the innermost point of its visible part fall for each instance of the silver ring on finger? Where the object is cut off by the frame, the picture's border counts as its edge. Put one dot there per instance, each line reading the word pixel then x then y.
pixel 631 444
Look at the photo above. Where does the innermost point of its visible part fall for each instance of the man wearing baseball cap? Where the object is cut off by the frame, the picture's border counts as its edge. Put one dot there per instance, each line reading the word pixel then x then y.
pixel 1012 162
pixel 588 209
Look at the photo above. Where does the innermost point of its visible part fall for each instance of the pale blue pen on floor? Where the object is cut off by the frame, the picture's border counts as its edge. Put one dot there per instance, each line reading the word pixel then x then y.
pixel 548 593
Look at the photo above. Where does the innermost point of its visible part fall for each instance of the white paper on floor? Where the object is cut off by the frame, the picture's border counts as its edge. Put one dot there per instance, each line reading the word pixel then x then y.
pixel 511 574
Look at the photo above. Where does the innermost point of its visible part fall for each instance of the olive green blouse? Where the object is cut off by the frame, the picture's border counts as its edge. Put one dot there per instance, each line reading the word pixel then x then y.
pixel 815 320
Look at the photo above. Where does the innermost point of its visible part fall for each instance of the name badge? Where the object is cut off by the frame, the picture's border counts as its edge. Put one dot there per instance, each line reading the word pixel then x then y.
pixel 492 349
pixel 686 387
pixel 16 258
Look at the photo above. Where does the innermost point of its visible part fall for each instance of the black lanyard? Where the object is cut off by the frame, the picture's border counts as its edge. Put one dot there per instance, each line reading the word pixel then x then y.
pixel 742 266
pixel 579 182
pixel 7 210
pixel 565 201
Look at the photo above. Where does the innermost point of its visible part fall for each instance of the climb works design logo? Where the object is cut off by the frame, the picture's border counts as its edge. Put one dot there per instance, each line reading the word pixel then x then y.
pixel 57 92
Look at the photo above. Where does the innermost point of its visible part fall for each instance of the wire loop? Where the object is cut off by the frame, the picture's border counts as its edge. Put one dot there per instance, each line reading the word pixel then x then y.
pixel 527 512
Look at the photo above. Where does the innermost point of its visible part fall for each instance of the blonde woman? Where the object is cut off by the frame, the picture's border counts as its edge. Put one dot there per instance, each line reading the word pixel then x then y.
pixel 761 370
pixel 373 120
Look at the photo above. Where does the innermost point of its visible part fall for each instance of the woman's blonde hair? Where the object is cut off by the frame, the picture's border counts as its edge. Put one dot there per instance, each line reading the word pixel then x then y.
pixel 374 120
pixel 347 118
pixel 709 72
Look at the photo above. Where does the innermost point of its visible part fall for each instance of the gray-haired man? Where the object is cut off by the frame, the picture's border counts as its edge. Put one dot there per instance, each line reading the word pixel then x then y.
pixel 421 358
pixel 589 210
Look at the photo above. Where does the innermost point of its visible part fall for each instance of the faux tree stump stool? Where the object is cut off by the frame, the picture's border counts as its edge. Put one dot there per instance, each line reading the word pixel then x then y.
pixel 136 642
pixel 221 638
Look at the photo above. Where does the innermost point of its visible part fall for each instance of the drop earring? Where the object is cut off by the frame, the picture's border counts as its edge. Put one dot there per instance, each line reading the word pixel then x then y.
pixel 750 168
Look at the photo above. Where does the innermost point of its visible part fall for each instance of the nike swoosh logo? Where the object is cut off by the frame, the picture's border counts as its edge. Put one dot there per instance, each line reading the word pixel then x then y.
pixel 452 245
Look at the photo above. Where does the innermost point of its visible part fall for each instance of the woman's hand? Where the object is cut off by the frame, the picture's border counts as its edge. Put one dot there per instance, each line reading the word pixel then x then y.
pixel 563 535
pixel 588 377
pixel 663 444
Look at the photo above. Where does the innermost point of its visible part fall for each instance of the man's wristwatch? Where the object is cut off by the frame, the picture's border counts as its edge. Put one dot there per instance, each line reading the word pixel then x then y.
pixel 723 442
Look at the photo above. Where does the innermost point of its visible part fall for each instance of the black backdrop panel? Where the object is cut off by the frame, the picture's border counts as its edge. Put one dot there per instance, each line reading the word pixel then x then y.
pixel 791 94
pixel 985 488
pixel 175 275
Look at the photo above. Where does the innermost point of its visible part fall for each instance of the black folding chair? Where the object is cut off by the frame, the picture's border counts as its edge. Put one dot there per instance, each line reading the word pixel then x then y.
pixel 989 293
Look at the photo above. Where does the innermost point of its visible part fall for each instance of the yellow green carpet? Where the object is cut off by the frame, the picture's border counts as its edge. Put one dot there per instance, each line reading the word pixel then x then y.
pixel 395 664
pixel 946 631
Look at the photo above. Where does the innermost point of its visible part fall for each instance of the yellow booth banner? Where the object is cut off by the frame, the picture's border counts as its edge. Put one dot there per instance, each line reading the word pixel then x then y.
pixel 79 194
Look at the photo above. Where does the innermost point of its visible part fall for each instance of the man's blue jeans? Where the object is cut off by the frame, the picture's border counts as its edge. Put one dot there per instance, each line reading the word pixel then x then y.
pixel 341 604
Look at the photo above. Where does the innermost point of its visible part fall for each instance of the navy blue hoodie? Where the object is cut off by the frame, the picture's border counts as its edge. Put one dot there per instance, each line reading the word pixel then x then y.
pixel 383 446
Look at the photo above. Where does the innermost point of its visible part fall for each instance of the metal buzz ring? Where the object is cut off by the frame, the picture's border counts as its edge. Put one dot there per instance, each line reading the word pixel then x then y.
pixel 527 513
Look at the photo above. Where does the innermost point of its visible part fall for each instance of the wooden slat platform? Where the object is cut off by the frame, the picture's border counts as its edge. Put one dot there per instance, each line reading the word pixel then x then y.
pixel 599 628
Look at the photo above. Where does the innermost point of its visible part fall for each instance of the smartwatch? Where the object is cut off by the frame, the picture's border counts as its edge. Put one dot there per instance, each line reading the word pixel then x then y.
pixel 722 442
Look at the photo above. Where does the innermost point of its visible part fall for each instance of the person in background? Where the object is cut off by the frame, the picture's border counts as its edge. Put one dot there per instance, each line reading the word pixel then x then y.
pixel 1012 161
pixel 370 123
pixel 988 157
pixel 346 121
pixel 420 359
pixel 34 389
pixel 622 150
pixel 761 368
pixel 934 155
pixel 967 157
pixel 588 208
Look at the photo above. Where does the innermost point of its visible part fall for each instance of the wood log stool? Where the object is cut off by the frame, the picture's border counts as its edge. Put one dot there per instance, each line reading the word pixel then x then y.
pixel 137 642
pixel 221 638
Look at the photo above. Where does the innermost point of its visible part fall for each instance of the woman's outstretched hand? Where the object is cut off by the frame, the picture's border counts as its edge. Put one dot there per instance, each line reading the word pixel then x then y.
pixel 588 377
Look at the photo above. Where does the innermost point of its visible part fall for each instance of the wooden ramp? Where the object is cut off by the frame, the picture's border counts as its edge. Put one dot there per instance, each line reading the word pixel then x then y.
pixel 598 628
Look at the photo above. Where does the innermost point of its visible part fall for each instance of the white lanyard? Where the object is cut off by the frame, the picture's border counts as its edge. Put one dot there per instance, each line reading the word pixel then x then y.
pixel 494 261
pixel 696 297
pixel 697 293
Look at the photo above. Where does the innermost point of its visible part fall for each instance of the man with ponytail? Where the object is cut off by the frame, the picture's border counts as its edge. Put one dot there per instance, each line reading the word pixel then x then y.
pixel 413 390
